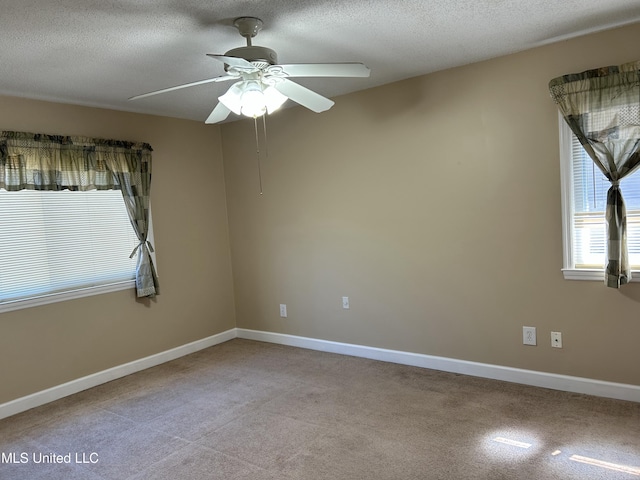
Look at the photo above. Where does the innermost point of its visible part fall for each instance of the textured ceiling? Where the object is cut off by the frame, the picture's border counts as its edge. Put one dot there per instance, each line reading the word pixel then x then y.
pixel 101 52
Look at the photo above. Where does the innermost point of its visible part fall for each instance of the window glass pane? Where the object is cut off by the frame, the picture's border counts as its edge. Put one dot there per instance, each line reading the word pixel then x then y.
pixel 54 242
pixel 590 188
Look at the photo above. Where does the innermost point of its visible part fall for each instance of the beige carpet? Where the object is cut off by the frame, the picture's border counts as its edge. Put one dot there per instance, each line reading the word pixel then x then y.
pixel 255 411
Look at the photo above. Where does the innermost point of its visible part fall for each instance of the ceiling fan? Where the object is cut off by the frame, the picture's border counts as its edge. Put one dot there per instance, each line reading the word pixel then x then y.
pixel 262 85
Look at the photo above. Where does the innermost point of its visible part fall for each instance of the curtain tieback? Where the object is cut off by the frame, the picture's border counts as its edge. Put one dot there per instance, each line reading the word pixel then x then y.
pixel 140 245
pixel 615 183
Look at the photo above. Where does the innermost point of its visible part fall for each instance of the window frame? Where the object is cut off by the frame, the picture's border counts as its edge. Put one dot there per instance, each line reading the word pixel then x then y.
pixel 46 299
pixel 566 181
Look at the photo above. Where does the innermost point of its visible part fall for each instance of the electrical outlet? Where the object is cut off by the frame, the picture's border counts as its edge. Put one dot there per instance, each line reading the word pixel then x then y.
pixel 556 339
pixel 283 310
pixel 345 303
pixel 529 336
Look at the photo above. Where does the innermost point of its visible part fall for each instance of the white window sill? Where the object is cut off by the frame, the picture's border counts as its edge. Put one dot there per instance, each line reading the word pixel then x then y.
pixel 69 295
pixel 592 275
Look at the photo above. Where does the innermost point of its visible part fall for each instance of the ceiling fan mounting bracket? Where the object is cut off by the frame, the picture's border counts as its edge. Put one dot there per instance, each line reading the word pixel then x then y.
pixel 248 27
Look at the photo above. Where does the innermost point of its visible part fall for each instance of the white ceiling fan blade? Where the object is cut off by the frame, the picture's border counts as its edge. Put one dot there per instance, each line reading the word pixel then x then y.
pixel 303 96
pixel 233 61
pixel 186 85
pixel 219 114
pixel 326 70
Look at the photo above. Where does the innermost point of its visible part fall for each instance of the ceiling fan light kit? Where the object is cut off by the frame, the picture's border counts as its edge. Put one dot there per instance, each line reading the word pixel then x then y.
pixel 252 98
pixel 263 85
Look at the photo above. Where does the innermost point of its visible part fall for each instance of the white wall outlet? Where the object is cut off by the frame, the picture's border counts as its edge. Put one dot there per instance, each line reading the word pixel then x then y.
pixel 556 339
pixel 345 303
pixel 529 336
pixel 283 310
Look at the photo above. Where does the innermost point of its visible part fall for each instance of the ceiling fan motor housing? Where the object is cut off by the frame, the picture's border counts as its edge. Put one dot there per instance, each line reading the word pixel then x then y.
pixel 255 54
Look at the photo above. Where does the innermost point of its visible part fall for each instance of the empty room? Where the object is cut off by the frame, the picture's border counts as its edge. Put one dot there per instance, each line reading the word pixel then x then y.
pixel 319 240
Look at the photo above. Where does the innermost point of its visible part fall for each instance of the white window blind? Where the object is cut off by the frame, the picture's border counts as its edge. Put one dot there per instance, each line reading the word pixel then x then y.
pixel 585 197
pixel 62 241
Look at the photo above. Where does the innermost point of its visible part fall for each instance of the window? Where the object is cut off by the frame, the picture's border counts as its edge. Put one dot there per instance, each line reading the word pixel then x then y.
pixel 584 195
pixel 56 245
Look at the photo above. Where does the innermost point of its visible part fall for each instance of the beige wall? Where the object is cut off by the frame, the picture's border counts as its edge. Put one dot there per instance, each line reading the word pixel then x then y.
pixel 434 204
pixel 45 346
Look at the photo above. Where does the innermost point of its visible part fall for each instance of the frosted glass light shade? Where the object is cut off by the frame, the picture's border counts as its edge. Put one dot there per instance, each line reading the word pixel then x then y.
pixel 231 99
pixel 252 100
pixel 273 99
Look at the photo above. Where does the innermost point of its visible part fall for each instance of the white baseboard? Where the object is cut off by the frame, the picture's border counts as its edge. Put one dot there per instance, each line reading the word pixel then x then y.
pixel 553 381
pixel 55 393
pixel 567 383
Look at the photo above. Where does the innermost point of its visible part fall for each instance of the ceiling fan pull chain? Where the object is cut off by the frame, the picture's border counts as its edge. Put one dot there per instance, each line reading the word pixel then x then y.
pixel 255 123
pixel 264 130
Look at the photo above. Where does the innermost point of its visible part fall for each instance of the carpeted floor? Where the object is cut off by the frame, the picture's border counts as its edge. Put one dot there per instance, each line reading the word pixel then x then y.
pixel 255 411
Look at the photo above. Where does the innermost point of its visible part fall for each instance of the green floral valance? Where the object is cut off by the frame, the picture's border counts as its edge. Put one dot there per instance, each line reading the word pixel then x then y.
pixel 33 161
